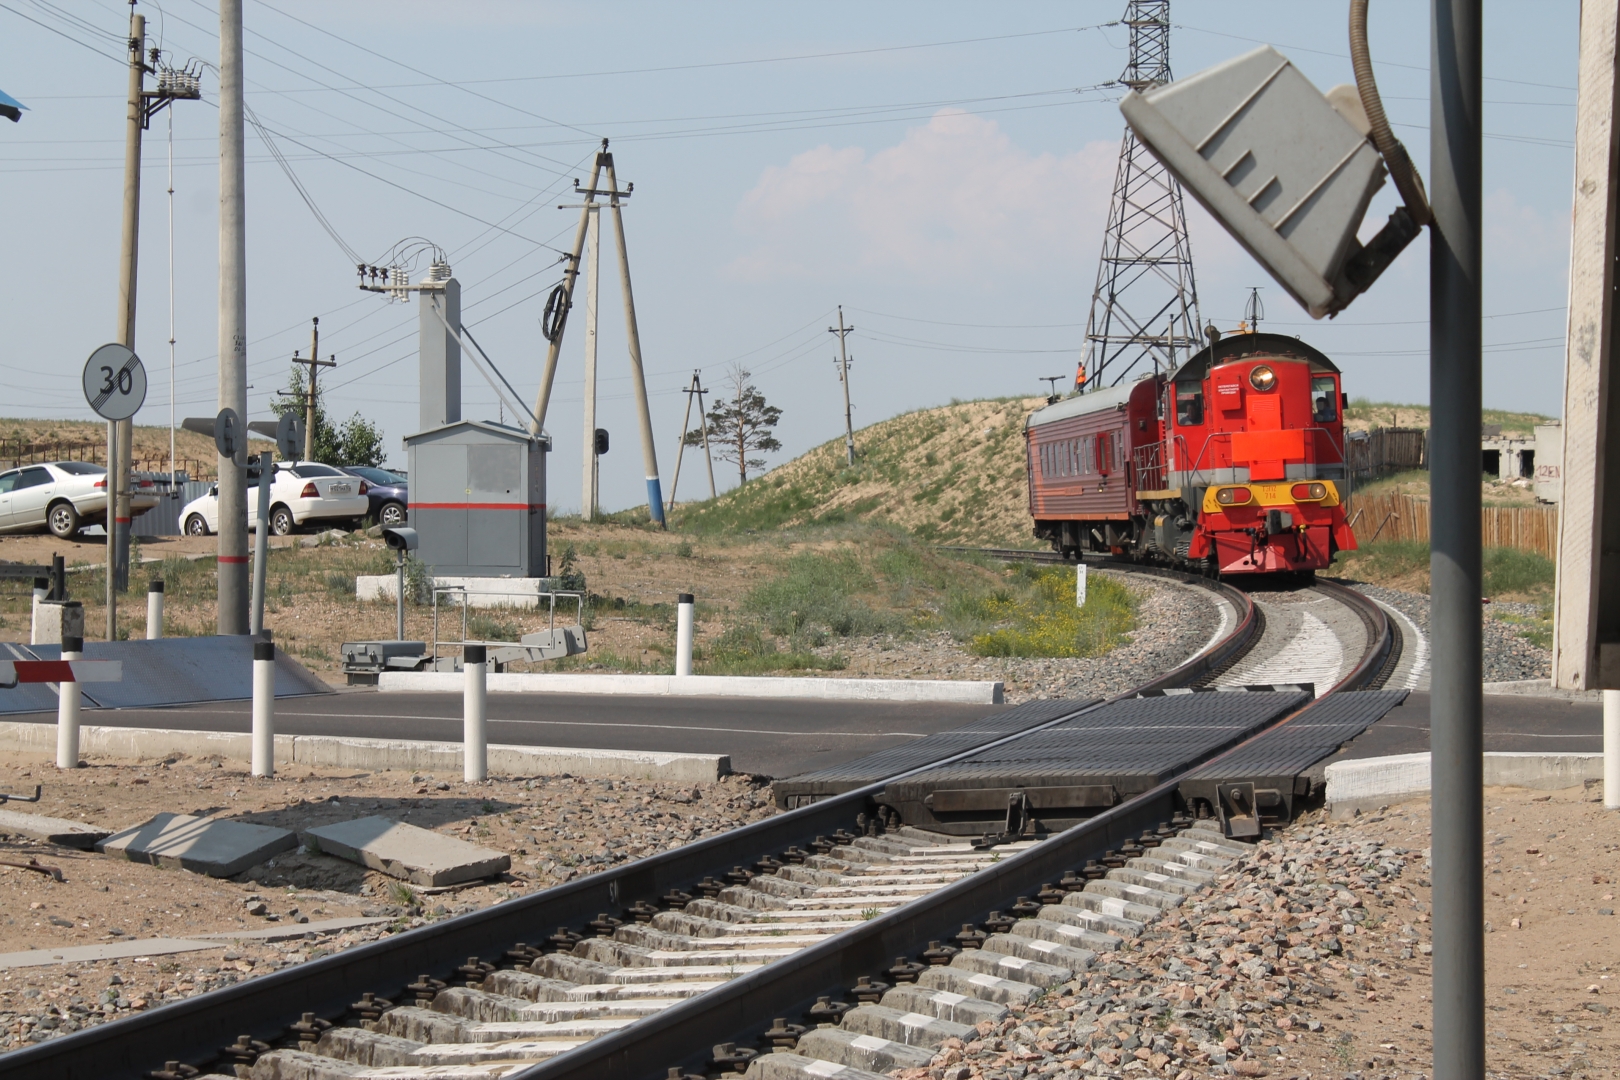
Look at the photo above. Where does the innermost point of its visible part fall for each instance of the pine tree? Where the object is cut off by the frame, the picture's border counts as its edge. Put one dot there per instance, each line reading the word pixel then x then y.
pixel 741 425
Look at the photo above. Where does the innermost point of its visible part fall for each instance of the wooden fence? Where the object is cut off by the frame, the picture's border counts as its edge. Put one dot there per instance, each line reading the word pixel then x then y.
pixel 1387 450
pixel 1405 517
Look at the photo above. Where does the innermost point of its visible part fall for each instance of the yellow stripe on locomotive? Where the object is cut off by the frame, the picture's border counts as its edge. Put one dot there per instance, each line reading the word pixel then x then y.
pixel 1220 498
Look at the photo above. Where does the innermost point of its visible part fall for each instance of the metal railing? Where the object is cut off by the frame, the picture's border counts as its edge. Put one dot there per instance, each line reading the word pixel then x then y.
pixel 466 603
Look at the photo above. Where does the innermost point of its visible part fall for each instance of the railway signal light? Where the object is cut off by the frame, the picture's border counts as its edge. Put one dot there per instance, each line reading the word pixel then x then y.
pixel 1288 170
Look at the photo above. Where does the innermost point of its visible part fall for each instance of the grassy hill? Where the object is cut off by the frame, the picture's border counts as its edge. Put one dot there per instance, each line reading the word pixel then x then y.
pixel 1363 414
pixel 954 474
pixel 87 440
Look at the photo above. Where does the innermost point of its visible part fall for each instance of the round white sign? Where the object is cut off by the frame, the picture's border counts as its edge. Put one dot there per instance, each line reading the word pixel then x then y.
pixel 114 382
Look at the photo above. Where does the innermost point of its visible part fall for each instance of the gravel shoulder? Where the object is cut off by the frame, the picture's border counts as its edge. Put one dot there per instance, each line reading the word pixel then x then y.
pixel 1508 656
pixel 554 828
pixel 1311 958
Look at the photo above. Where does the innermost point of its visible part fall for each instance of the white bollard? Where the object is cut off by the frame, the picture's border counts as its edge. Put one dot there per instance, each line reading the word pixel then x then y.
pixel 683 633
pixel 264 708
pixel 41 591
pixel 1611 749
pixel 154 611
pixel 1080 585
pixel 67 710
pixel 474 744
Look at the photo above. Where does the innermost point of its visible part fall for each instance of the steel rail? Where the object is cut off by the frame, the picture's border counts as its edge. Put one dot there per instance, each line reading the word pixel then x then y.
pixel 195 1029
pixel 740 1009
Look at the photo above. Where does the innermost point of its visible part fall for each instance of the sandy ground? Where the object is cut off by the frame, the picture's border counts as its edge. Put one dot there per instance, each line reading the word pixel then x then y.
pixel 554 829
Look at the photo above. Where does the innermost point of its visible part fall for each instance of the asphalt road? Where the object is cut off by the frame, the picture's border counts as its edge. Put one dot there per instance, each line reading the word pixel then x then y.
pixel 1513 723
pixel 769 738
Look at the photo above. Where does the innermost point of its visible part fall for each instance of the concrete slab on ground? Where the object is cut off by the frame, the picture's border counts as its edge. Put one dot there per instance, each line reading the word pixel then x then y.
pixel 58 831
pixel 280 931
pixel 112 950
pixel 211 846
pixel 743 686
pixel 413 854
pixel 1365 783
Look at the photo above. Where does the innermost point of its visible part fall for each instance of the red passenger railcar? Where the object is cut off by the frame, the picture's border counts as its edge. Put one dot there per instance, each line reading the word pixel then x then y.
pixel 1233 464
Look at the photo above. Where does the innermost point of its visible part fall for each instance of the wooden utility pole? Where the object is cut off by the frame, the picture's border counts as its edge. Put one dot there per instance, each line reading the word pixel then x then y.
pixel 843 376
pixel 314 363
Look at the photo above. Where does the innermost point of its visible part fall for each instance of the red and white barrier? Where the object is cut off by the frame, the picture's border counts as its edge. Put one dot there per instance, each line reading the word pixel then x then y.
pixel 13 672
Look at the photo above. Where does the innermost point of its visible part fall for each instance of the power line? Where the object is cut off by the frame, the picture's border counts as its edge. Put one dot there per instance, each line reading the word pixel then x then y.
pixel 59 33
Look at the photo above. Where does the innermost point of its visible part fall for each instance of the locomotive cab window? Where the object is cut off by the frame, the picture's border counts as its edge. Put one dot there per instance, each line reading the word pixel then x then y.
pixel 1189 404
pixel 1324 400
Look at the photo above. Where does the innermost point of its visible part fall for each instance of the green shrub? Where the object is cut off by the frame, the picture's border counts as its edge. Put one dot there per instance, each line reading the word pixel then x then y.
pixel 818 591
pixel 1509 570
pixel 1038 617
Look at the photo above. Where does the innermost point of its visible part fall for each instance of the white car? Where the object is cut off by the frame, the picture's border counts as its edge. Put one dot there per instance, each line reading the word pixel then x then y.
pixel 63 496
pixel 302 492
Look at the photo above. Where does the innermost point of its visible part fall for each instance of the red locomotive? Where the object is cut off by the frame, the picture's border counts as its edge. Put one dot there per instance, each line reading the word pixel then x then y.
pixel 1232 464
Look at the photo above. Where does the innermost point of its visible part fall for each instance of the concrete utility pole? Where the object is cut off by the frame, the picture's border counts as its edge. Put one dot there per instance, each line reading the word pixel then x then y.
pixel 233 552
pixel 843 376
pixel 314 364
pixel 592 466
pixel 695 390
pixel 649 453
pixel 563 300
pixel 1456 699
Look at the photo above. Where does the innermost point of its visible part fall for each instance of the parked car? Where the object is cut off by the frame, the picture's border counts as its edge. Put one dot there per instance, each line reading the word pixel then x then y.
pixel 302 492
pixel 62 496
pixel 390 493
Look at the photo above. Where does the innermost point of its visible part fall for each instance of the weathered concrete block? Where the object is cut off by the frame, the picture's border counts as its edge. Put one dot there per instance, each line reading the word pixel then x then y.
pixel 1112 906
pixel 943 1004
pixel 1065 934
pixel 420 856
pixel 1154 880
pixel 59 831
pixel 911 1028
pixel 362 1047
pixel 1004 966
pixel 1136 894
pixel 1044 952
pixel 794 1067
pixel 856 1051
pixel 982 986
pixel 211 846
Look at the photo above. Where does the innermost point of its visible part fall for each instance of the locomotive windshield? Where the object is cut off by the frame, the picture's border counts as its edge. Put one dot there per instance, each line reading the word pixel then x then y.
pixel 1189 404
pixel 1324 402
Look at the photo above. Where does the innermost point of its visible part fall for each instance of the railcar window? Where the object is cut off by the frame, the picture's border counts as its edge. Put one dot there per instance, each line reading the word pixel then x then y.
pixel 1324 400
pixel 1189 404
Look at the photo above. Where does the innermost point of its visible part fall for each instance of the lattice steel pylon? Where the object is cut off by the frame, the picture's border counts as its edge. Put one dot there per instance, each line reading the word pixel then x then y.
pixel 1144 310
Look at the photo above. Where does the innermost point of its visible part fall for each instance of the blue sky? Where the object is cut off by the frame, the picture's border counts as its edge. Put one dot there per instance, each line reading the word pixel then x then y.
pixel 940 169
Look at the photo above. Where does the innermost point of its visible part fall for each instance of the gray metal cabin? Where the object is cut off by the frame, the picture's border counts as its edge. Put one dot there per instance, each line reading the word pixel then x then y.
pixel 478 499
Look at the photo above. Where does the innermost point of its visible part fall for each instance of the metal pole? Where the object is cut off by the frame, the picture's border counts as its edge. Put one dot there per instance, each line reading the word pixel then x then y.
pixel 399 599
pixel 474 748
pixel 1456 702
pixel 843 377
pixel 683 633
pixel 67 709
pixel 264 708
pixel 1611 749
pixel 123 430
pixel 172 483
pixel 261 542
pixel 309 401
pixel 233 553
pixel 154 611
pixel 638 380
pixel 593 243
pixel 542 397
pixel 112 532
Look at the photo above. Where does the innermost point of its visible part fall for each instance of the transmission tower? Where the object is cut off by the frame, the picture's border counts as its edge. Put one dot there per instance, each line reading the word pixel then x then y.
pixel 1144 310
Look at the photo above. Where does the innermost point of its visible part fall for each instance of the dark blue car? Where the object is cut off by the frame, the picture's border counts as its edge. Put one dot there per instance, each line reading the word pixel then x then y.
pixel 389 494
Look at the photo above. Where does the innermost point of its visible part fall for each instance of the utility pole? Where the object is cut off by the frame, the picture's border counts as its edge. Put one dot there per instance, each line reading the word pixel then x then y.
pixel 143 104
pixel 695 390
pixel 562 299
pixel 1456 702
pixel 843 376
pixel 592 464
pixel 314 363
pixel 649 453
pixel 233 553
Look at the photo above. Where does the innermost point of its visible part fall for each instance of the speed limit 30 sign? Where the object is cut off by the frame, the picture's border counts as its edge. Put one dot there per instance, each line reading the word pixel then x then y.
pixel 115 382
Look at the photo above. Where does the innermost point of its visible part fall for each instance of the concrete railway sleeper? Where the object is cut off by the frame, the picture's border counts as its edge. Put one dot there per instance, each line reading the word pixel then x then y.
pixel 684 945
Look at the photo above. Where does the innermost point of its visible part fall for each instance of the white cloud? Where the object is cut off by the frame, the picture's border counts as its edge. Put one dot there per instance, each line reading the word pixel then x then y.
pixel 1517 235
pixel 955 197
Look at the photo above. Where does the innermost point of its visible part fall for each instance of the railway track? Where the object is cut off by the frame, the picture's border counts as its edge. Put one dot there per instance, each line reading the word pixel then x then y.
pixel 694 960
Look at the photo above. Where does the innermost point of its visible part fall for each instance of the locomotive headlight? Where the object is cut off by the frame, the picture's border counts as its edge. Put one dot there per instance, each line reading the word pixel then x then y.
pixel 1262 378
pixel 1233 496
pixel 1309 491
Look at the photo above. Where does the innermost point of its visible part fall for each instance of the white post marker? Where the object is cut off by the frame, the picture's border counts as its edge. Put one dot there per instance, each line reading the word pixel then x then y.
pixel 1080 585
pixel 154 611
pixel 683 633
pixel 474 749
pixel 1611 749
pixel 67 709
pixel 264 708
